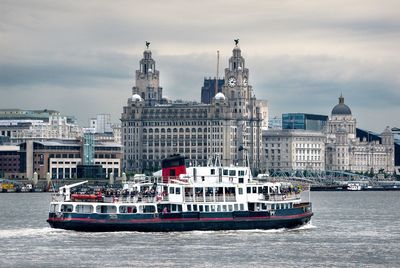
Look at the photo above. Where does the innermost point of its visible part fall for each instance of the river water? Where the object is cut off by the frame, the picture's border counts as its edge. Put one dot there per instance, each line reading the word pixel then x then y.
pixel 349 229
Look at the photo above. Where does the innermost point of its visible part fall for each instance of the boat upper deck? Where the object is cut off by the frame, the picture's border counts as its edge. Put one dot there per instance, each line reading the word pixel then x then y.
pixel 182 190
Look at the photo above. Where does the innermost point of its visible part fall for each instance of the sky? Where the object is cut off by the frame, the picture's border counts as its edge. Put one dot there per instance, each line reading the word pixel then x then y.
pixel 79 57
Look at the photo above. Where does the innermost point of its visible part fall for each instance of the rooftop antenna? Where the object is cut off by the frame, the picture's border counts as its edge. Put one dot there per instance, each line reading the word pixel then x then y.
pixel 216 78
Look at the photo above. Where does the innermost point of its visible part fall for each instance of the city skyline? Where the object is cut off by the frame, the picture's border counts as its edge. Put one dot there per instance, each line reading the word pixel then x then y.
pixel 81 57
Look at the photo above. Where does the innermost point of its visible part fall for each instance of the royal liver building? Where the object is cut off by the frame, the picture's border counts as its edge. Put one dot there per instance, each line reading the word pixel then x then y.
pixel 153 128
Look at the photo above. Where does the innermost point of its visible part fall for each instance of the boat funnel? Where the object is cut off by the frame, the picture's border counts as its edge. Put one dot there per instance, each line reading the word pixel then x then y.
pixel 173 166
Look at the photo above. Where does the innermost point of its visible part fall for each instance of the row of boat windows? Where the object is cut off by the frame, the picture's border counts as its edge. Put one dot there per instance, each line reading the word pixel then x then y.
pixel 263 206
pixel 228 190
pixel 230 172
pixel 103 209
pixel 215 208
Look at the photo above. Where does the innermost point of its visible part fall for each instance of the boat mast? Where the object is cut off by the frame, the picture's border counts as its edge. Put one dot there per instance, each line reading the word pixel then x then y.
pixel 66 190
pixel 246 159
pixel 216 77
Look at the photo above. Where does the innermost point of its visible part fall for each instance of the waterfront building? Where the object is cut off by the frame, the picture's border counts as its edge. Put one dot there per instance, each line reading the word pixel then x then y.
pixel 101 124
pixel 312 122
pixel 103 129
pixel 294 149
pixel 117 132
pixel 59 159
pixel 9 161
pixel 4 140
pixel 352 149
pixel 153 127
pixel 263 106
pixel 275 122
pixel 208 89
pixel 20 125
pixel 396 133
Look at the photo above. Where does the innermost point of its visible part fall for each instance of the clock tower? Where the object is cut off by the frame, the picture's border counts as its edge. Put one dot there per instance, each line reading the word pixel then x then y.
pixel 236 88
pixel 246 115
pixel 147 84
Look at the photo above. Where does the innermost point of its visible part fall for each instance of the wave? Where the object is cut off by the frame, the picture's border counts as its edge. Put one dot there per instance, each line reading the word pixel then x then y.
pixel 34 232
pixel 307 226
pixel 28 232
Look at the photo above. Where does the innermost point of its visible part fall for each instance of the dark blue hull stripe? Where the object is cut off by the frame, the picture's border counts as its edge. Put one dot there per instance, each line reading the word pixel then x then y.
pixel 180 224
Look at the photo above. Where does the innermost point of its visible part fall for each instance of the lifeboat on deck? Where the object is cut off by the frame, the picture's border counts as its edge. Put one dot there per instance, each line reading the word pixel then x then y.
pixel 89 197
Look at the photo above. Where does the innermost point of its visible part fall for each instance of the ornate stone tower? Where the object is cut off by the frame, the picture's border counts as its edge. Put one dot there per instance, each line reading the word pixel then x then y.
pixel 236 87
pixel 388 143
pixel 243 107
pixel 148 80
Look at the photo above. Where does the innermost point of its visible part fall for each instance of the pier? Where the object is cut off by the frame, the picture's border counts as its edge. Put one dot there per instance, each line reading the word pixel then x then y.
pixel 335 180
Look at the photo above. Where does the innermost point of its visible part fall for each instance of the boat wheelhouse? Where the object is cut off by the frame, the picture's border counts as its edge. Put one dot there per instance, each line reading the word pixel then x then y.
pixel 184 199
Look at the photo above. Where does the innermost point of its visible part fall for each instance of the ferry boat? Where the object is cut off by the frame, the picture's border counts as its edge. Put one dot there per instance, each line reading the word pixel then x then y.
pixel 184 199
pixel 354 187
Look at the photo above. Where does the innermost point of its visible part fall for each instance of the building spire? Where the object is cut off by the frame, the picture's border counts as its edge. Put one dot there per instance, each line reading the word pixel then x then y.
pixel 341 99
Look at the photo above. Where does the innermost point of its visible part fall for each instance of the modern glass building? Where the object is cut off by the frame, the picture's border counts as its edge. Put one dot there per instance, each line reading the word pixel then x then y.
pixel 314 122
pixel 88 148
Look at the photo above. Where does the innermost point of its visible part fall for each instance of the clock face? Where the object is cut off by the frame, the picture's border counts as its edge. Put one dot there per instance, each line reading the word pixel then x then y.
pixel 232 81
pixel 245 81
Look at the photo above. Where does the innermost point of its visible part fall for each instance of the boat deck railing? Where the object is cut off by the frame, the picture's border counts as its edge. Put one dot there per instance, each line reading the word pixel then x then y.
pixel 159 179
pixel 164 198
pixel 279 197
pixel 209 198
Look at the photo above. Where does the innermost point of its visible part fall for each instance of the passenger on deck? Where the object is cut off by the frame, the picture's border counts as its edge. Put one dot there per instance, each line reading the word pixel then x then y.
pixel 165 210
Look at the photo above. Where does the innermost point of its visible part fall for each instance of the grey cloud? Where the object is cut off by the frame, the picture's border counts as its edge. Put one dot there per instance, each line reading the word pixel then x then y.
pixel 312 84
pixel 301 54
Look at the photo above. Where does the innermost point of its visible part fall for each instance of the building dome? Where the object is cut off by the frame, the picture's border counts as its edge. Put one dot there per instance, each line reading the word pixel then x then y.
pixel 220 96
pixel 136 97
pixel 341 108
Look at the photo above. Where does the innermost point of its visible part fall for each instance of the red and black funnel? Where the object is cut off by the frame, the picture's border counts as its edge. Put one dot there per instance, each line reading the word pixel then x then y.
pixel 173 166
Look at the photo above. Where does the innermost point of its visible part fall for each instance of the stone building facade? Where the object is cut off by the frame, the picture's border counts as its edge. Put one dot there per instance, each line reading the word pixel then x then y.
pixel 21 125
pixel 294 149
pixel 153 128
pixel 344 151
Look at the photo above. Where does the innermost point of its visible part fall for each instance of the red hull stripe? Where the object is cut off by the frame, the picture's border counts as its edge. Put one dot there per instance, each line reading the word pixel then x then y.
pixel 154 220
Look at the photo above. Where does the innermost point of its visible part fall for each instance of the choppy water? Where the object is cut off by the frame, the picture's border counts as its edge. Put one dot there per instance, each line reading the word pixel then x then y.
pixel 349 229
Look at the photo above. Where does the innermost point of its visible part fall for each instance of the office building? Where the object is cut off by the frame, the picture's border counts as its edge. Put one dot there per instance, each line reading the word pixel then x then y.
pixel 153 127
pixel 20 125
pixel 296 149
pixel 312 122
